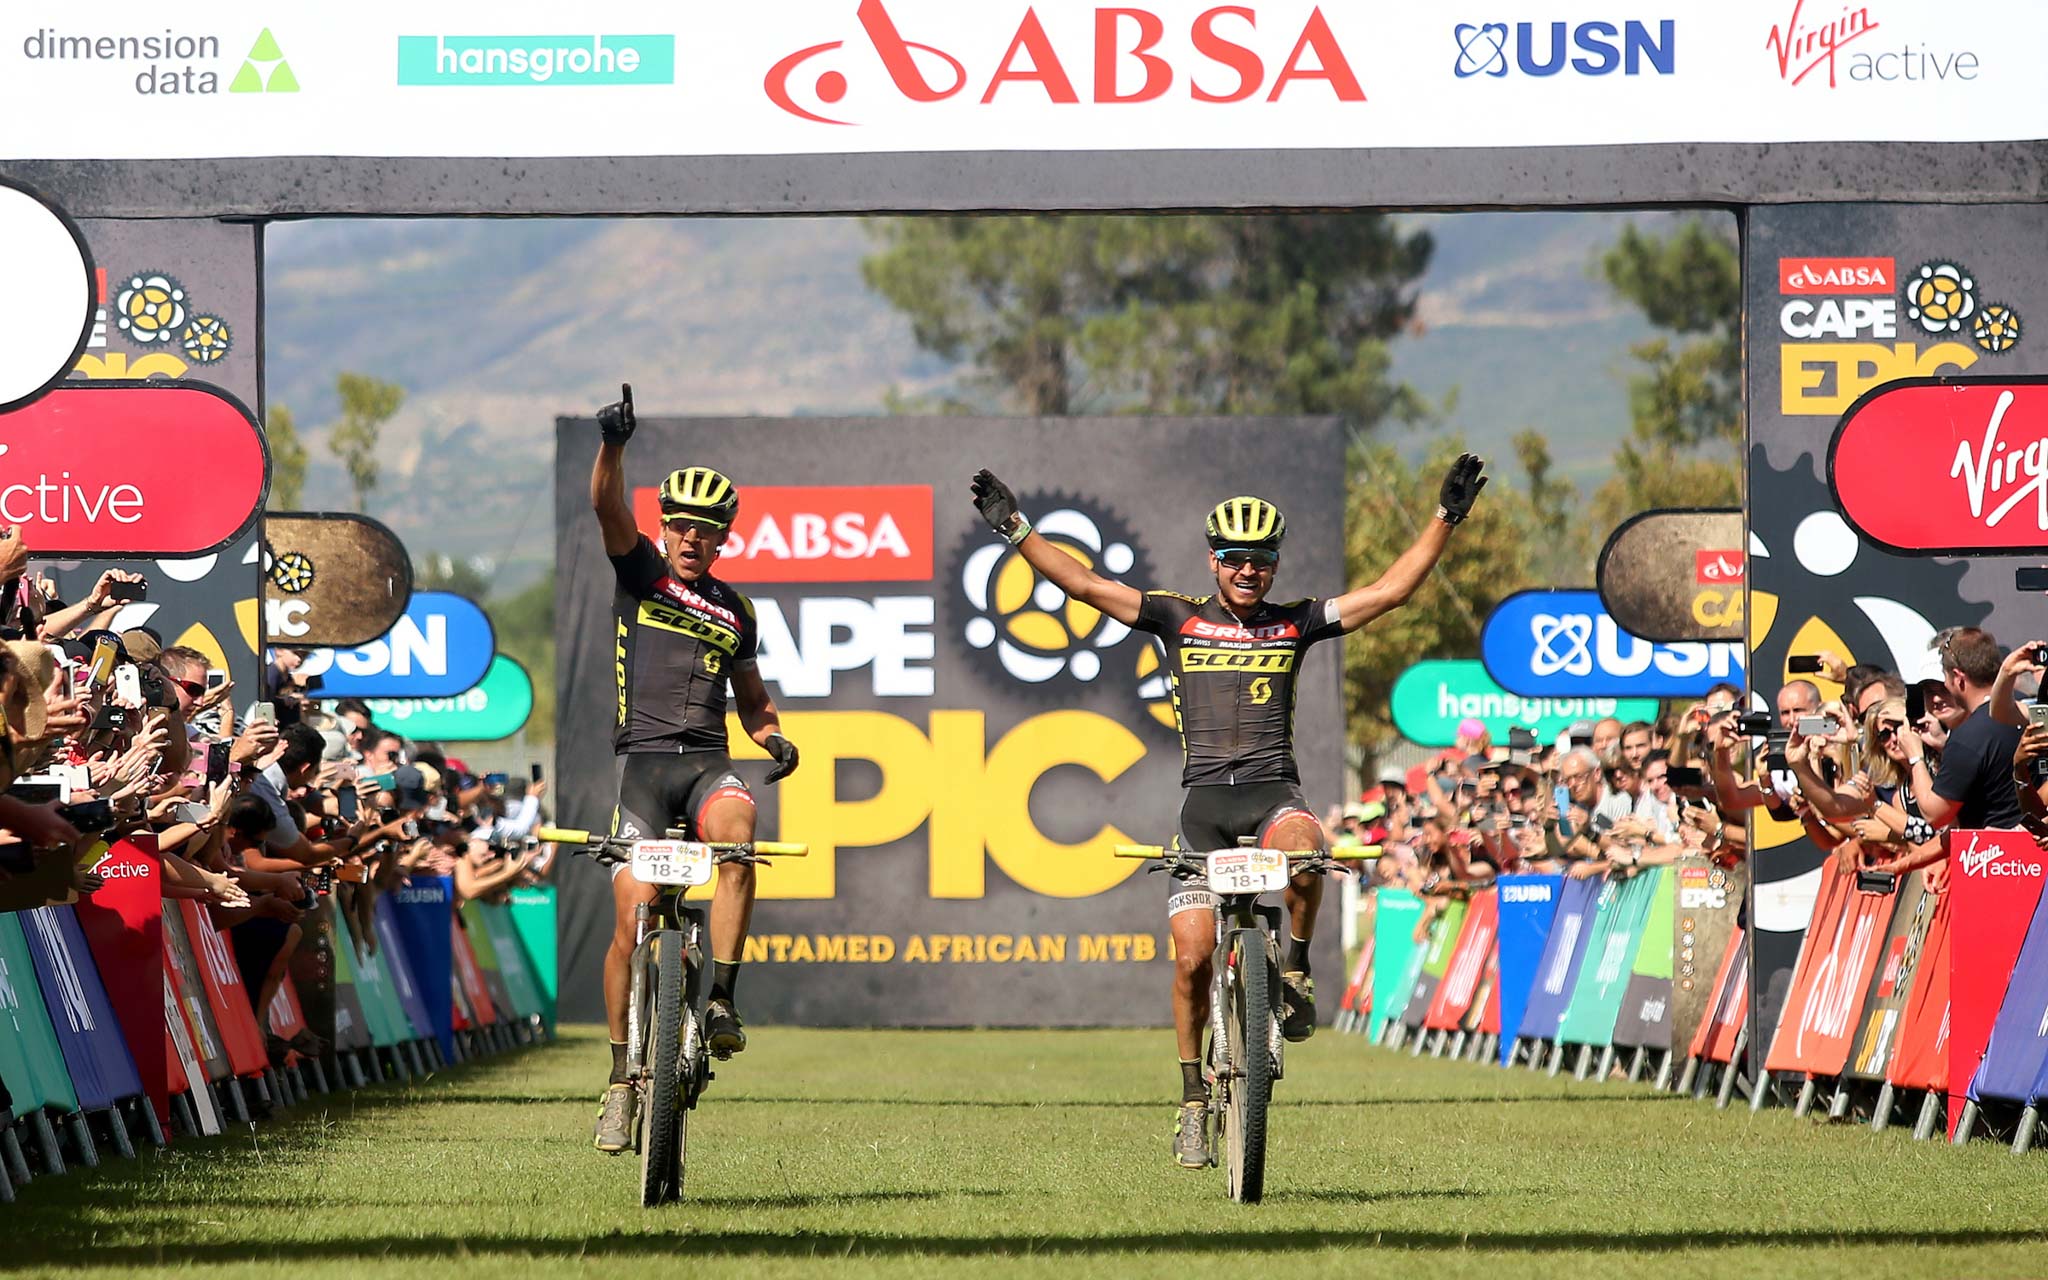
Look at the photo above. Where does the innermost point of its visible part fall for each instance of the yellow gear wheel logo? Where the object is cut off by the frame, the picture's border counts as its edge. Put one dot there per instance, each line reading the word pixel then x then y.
pixel 1996 329
pixel 292 572
pixel 1940 296
pixel 151 308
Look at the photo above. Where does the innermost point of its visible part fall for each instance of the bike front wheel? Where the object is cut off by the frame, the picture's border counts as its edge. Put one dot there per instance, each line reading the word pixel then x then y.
pixel 1250 992
pixel 661 1146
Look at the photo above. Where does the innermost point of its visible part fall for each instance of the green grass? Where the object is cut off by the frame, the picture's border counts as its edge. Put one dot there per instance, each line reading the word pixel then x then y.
pixel 827 1153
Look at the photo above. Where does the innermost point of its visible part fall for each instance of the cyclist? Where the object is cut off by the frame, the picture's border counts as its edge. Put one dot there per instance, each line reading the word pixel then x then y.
pixel 680 636
pixel 1236 722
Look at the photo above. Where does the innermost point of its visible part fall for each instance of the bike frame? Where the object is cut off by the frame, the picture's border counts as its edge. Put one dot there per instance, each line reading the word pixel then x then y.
pixel 687 925
pixel 1238 913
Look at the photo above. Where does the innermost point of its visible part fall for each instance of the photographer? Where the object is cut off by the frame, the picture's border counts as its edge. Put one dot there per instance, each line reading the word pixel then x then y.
pixel 1974 788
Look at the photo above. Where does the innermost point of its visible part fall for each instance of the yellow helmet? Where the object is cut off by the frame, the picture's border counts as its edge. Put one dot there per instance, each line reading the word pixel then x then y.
pixel 1245 521
pixel 700 491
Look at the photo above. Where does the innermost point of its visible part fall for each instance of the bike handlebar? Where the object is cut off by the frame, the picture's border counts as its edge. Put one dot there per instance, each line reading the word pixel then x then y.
pixel 587 839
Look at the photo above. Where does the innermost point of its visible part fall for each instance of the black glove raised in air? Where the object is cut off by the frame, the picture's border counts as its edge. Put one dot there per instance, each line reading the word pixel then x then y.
pixel 615 422
pixel 1462 484
pixel 784 752
pixel 998 506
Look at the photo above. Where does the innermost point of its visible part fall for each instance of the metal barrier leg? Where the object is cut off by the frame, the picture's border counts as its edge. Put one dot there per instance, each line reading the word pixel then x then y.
pixel 152 1128
pixel 1606 1067
pixel 1840 1106
pixel 1806 1092
pixel 1881 1111
pixel 2024 1139
pixel 1691 1076
pixel 1727 1090
pixel 238 1106
pixel 1967 1123
pixel 1556 1059
pixel 118 1125
pixel 183 1119
pixel 319 1075
pixel 1664 1070
pixel 81 1136
pixel 1930 1115
pixel 1458 1045
pixel 46 1138
pixel 16 1169
pixel 1636 1064
pixel 352 1071
pixel 1584 1065
pixel 1421 1040
pixel 1759 1090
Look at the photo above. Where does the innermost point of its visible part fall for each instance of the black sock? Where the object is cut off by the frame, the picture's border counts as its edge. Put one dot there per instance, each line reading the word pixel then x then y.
pixel 1192 1087
pixel 725 975
pixel 1297 955
pixel 618 1062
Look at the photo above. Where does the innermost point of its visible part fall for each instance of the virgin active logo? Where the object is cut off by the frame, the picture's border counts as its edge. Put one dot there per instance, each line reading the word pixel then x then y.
pixel 1547 644
pixel 1602 48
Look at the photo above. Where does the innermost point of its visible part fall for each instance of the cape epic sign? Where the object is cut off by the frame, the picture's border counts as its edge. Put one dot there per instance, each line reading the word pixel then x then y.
pixel 333 579
pixel 1676 575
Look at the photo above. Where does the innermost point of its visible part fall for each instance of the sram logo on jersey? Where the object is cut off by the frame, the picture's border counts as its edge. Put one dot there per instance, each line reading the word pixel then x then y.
pixel 1237 659
pixel 1227 631
pixel 819 533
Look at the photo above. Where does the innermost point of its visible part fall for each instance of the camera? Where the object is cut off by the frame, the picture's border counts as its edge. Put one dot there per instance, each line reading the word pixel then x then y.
pixel 1755 723
pixel 1876 882
pixel 88 816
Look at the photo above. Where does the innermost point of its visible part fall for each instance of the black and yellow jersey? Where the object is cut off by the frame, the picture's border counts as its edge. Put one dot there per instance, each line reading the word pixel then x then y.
pixel 677 643
pixel 1233 681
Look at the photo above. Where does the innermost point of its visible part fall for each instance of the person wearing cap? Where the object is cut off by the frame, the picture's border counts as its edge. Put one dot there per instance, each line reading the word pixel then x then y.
pixel 1974 788
pixel 683 637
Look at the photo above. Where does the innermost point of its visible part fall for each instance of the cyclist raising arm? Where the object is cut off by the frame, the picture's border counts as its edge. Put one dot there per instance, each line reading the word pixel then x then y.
pixel 680 635
pixel 1232 658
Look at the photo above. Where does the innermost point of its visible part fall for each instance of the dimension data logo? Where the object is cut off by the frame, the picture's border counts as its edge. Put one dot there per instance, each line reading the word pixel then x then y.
pixel 172 62
pixel 536 60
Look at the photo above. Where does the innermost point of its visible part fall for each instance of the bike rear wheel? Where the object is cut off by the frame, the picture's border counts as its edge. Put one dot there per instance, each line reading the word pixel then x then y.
pixel 664 1117
pixel 1250 992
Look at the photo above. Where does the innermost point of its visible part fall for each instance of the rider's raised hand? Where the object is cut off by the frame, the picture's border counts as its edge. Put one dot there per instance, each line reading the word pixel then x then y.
pixel 615 422
pixel 998 506
pixel 784 752
pixel 1462 484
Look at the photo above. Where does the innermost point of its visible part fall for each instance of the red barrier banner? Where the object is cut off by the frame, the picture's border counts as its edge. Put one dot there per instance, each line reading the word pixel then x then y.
pixel 124 927
pixel 229 999
pixel 1901 967
pixel 285 1016
pixel 1835 963
pixel 1358 992
pixel 1455 994
pixel 1715 1040
pixel 1994 883
pixel 476 996
pixel 207 1046
pixel 1489 1015
pixel 1921 1061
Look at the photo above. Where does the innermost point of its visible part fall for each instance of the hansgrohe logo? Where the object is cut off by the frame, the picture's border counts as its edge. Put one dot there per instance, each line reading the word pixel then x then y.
pixel 536 60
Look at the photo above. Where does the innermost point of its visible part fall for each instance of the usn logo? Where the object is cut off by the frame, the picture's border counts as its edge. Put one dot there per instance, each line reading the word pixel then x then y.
pixel 1545 49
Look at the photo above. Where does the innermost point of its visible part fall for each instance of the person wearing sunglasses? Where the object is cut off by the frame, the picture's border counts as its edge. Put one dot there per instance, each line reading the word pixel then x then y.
pixel 681 636
pixel 1232 656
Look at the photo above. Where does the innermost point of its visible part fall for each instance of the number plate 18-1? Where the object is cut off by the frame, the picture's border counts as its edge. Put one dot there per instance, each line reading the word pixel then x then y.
pixel 1247 870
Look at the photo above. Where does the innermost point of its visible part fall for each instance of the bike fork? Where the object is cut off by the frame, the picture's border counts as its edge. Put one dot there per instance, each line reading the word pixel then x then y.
pixel 636 1034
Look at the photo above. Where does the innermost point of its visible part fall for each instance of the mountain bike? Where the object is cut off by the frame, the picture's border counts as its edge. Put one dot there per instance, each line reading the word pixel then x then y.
pixel 667 1062
pixel 1246 1053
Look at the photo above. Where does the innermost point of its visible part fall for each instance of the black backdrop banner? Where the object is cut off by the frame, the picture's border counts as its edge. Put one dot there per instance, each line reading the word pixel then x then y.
pixel 972 742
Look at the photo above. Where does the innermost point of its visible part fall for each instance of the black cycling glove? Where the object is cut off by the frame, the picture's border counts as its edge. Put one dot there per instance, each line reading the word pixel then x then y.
pixel 615 422
pixel 1462 484
pixel 784 752
pixel 998 506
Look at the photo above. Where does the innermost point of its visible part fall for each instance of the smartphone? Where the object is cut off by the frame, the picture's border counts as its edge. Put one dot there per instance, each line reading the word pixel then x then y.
pixel 347 802
pixel 533 771
pixel 125 592
pixel 263 713
pixel 411 829
pixel 1562 797
pixel 1752 723
pixel 2032 579
pixel 1818 726
pixel 110 720
pixel 1803 664
pixel 88 815
pixel 218 758
pixel 1876 882
pixel 1520 739
pixel 103 651
pixel 215 678
pixel 2037 713
pixel 37 792
pixel 192 811
pixel 383 781
pixel 1682 776
pixel 128 683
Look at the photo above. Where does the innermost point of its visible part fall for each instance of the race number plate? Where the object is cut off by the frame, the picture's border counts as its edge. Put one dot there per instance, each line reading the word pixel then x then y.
pixel 1247 870
pixel 680 862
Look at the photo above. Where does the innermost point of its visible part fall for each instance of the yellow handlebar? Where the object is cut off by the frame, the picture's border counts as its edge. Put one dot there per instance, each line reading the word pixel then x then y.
pixel 560 835
pixel 773 849
pixel 1139 851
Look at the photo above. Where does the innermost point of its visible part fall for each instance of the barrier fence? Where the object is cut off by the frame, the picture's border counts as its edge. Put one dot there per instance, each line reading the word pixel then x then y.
pixel 90 1064
pixel 1928 999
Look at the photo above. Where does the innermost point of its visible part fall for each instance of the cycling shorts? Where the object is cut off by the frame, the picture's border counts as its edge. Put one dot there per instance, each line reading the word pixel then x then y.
pixel 658 791
pixel 1217 818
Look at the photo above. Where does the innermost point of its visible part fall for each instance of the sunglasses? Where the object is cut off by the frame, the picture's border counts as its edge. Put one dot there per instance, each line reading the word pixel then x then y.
pixel 686 524
pixel 192 687
pixel 1240 557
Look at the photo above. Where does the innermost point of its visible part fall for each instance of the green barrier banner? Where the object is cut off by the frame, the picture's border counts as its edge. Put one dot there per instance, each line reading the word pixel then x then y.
pixel 1603 975
pixel 352 1026
pixel 1646 1005
pixel 373 988
pixel 1431 698
pixel 534 919
pixel 1395 955
pixel 31 1060
pixel 1436 961
pixel 496 707
pixel 497 918
pixel 487 963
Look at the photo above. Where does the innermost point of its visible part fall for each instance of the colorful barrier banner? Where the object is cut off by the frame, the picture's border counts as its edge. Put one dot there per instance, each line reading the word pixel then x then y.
pixel 1459 991
pixel 1398 955
pixel 101 1066
pixel 485 948
pixel 1899 965
pixel 1528 904
pixel 185 1068
pixel 1709 902
pixel 385 1022
pixel 208 1047
pixel 1645 1017
pixel 285 1017
pixel 1558 967
pixel 420 909
pixel 469 976
pixel 2017 1052
pixel 1994 883
pixel 1610 954
pixel 519 981
pixel 352 1026
pixel 535 918
pixel 123 924
pixel 1921 1061
pixel 404 980
pixel 234 1013
pixel 1722 1027
pixel 1436 960
pixel 31 1057
pixel 1840 953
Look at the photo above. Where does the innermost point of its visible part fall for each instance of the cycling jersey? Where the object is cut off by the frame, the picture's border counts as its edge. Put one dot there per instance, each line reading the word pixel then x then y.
pixel 1233 681
pixel 676 644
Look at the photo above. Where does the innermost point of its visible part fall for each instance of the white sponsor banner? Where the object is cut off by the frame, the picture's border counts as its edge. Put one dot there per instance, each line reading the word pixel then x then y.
pixel 238 78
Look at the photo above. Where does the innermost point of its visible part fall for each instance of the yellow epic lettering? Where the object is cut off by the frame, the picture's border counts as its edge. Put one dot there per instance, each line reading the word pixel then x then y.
pixel 1717 608
pixel 1824 378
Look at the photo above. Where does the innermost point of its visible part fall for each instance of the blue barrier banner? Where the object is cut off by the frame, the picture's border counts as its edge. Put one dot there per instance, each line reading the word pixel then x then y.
pixel 1528 904
pixel 441 647
pixel 102 1070
pixel 421 908
pixel 1564 644
pixel 1558 967
pixel 2016 1058
pixel 398 961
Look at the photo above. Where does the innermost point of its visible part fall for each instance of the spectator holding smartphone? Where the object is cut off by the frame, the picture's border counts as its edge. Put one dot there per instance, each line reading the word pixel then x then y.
pixel 1974 788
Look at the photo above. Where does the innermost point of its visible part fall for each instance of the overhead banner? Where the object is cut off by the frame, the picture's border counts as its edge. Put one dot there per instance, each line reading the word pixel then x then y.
pixel 331 579
pixel 815 76
pixel 1676 575
pixel 1527 906
pixel 1995 880
pixel 973 743
pixel 497 708
pixel 1431 699
pixel 49 272
pixel 1947 466
pixel 441 646
pixel 1564 644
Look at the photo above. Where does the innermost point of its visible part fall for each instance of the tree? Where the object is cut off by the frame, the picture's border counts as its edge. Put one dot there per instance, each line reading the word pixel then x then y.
pixel 1685 442
pixel 287 460
pixel 1561 550
pixel 367 403
pixel 525 627
pixel 1211 313
pixel 438 572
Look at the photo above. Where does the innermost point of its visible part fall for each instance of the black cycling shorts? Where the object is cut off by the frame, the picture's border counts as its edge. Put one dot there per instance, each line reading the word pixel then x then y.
pixel 1217 818
pixel 659 790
